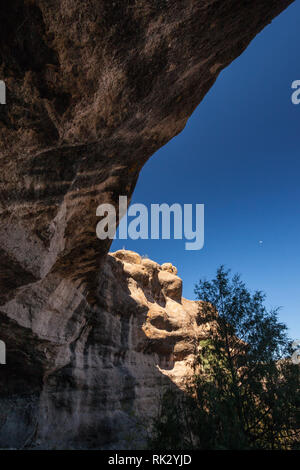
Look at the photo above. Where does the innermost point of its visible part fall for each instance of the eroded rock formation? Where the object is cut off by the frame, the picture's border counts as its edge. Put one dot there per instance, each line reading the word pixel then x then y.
pixel 106 367
pixel 94 88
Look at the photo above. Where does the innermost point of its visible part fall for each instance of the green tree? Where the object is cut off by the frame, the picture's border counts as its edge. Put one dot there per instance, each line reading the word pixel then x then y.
pixel 244 393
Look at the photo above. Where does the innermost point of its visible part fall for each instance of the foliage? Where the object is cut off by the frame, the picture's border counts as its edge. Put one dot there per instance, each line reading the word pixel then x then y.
pixel 244 393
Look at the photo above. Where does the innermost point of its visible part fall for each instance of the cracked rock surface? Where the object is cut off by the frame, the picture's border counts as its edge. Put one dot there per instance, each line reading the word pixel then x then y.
pixel 94 88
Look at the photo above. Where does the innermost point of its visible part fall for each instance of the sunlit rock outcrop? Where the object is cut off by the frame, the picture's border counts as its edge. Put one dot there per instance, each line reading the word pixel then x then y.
pixel 99 372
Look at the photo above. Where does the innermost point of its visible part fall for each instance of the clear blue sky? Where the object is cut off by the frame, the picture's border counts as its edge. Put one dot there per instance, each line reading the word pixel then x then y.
pixel 239 155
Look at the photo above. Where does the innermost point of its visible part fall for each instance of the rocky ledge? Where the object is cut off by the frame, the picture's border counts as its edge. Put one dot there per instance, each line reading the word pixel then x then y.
pixel 105 367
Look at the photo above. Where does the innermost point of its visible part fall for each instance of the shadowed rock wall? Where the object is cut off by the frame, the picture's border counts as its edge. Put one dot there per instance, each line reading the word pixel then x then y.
pixel 94 88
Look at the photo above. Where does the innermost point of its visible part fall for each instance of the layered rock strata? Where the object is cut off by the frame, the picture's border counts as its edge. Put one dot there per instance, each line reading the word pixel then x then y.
pixel 94 88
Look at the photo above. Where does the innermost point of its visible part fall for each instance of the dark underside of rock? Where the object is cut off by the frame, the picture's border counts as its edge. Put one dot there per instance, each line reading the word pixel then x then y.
pixel 94 88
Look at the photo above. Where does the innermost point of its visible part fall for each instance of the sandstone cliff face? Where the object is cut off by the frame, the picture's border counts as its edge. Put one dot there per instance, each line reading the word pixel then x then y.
pixel 93 89
pixel 107 366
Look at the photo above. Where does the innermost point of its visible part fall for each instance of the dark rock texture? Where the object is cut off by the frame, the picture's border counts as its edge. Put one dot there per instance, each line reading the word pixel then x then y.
pixel 94 88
